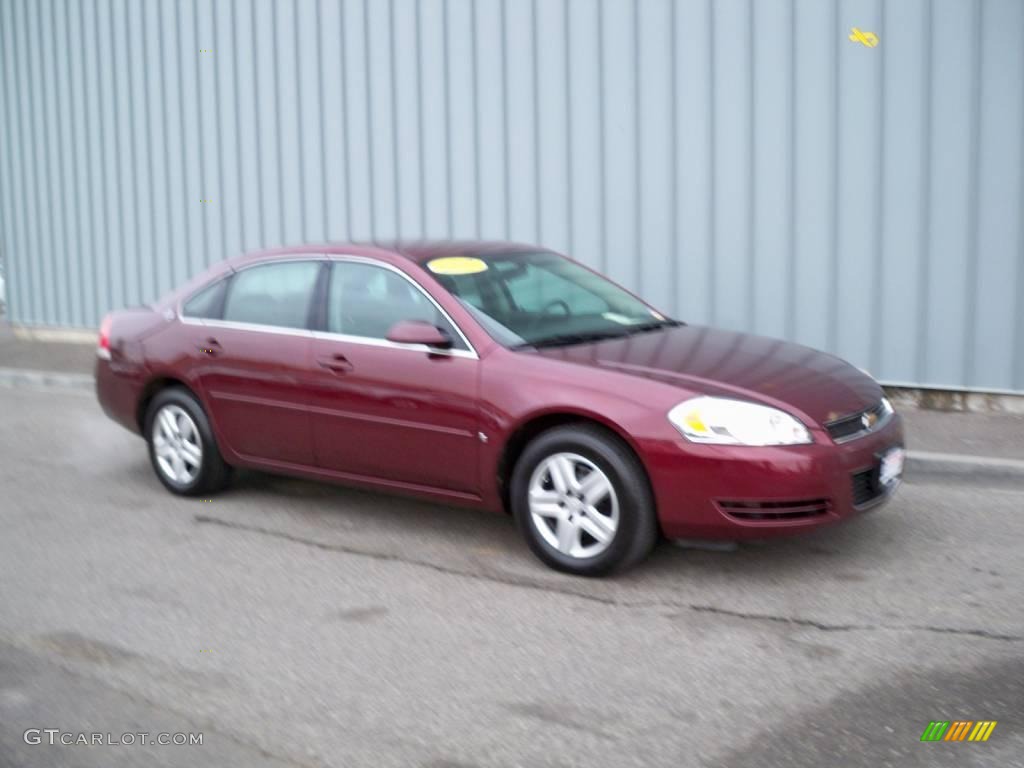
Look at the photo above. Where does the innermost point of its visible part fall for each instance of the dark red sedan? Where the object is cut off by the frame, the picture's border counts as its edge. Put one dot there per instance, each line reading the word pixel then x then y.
pixel 502 376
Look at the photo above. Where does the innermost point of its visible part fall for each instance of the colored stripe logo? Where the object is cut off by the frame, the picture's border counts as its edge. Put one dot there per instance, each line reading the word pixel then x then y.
pixel 958 730
pixel 982 730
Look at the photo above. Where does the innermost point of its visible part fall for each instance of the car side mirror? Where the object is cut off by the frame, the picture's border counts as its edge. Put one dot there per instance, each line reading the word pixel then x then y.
pixel 419 332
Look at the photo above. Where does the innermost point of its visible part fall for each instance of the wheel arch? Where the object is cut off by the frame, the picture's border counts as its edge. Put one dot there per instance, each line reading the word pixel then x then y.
pixel 154 387
pixel 536 423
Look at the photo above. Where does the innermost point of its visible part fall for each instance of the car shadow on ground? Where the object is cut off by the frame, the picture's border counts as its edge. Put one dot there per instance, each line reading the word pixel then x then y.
pixel 461 538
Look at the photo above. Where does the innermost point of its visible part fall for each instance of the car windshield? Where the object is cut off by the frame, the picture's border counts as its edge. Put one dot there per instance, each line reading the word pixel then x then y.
pixel 542 299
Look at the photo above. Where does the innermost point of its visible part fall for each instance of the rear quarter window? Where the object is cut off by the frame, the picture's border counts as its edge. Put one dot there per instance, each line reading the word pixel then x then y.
pixel 208 303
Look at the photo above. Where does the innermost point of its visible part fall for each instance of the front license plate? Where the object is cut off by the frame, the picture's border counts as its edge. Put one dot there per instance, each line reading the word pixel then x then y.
pixel 891 467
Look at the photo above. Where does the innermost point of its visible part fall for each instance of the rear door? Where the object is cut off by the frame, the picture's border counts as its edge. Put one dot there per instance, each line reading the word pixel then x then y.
pixel 255 359
pixel 387 411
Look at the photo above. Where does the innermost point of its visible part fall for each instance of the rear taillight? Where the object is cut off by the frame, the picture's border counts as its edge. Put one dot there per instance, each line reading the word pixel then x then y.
pixel 103 346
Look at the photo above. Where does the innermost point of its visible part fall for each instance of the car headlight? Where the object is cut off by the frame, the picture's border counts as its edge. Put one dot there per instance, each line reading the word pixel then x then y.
pixel 722 421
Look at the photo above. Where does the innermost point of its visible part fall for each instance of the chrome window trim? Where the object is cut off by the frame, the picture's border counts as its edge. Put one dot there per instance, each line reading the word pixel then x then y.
pixel 370 341
pixel 279 330
pixel 326 336
pixel 469 353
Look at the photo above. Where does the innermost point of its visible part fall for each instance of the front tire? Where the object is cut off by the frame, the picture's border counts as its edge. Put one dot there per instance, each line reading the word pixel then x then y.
pixel 182 448
pixel 581 499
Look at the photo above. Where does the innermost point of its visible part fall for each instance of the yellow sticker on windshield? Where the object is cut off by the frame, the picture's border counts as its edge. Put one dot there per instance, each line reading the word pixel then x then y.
pixel 457 265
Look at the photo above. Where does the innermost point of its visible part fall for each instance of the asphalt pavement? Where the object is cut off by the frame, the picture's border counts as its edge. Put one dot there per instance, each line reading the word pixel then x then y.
pixel 298 624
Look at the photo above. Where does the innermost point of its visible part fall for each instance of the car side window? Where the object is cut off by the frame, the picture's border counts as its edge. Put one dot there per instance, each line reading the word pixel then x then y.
pixel 367 300
pixel 207 303
pixel 277 294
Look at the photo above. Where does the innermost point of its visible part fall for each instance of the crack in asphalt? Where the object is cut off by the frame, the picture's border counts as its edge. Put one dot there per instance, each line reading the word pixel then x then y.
pixel 499 578
pixel 490 576
pixel 982 633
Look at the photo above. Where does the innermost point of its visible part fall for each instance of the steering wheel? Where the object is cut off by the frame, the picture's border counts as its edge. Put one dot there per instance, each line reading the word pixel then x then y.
pixel 556 303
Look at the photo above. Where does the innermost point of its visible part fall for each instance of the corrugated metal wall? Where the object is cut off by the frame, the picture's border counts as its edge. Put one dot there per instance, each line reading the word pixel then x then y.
pixel 738 162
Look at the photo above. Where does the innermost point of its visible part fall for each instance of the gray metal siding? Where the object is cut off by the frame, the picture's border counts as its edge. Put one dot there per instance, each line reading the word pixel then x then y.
pixel 740 163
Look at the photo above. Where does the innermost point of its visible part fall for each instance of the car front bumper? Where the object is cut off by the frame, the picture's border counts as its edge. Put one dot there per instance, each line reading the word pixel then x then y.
pixel 740 492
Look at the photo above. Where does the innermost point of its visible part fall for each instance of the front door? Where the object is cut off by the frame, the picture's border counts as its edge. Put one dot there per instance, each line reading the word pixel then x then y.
pixel 386 411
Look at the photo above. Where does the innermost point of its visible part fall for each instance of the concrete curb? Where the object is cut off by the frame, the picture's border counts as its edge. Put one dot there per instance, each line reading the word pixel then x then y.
pixel 956 465
pixel 905 396
pixel 19 377
pixel 62 335
pixel 963 465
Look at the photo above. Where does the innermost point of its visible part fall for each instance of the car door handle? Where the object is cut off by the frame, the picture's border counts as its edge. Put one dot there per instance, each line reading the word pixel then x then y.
pixel 336 363
pixel 210 347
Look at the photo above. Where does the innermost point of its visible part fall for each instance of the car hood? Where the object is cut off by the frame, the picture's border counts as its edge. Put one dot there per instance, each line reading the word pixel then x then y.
pixel 726 363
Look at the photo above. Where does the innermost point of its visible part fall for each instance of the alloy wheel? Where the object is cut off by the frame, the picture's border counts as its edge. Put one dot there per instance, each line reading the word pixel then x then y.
pixel 573 505
pixel 177 444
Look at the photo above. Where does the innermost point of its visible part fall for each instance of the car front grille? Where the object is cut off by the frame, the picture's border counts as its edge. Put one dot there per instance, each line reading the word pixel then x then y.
pixel 774 511
pixel 853 426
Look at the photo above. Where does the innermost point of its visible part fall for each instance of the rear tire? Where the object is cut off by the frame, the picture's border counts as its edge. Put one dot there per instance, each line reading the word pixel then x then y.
pixel 182 448
pixel 582 501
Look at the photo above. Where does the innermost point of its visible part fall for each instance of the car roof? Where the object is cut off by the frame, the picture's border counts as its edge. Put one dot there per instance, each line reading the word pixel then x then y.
pixel 417 251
